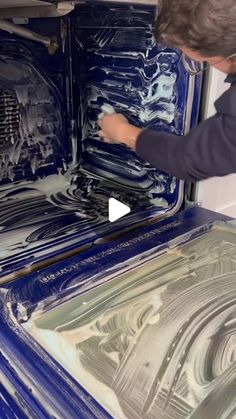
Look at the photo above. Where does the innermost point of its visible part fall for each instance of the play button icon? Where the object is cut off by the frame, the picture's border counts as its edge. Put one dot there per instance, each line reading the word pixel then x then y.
pixel 117 210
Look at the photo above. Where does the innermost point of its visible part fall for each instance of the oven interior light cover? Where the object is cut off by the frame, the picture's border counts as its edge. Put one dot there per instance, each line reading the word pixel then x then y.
pixel 56 174
pixel 112 333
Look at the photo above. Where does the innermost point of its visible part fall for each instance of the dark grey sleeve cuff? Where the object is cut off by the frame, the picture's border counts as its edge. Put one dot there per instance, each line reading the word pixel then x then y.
pixel 157 149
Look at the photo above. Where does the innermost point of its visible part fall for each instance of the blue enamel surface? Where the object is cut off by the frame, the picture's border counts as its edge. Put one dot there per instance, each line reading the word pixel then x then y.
pixel 107 55
pixel 52 280
pixel 35 381
pixel 8 406
pixel 37 81
pixel 23 367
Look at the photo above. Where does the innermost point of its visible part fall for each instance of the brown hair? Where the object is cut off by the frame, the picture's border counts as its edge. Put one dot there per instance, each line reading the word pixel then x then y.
pixel 205 26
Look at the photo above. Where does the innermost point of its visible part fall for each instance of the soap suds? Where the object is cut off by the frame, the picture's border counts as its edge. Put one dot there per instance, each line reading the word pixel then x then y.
pixel 151 336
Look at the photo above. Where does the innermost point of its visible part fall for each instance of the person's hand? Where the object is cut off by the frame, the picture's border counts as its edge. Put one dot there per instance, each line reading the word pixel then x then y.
pixel 112 127
pixel 115 128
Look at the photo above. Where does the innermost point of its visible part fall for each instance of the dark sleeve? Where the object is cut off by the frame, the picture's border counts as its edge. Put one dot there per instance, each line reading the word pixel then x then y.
pixel 208 150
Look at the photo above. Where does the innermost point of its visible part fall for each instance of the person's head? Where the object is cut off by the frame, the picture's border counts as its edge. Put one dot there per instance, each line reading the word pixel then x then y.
pixel 205 30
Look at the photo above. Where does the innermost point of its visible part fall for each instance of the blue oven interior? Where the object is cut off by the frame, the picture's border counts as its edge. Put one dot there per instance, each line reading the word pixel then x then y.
pixel 98 319
pixel 56 175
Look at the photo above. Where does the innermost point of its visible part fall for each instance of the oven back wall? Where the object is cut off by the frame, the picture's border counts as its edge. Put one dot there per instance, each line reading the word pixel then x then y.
pixel 119 64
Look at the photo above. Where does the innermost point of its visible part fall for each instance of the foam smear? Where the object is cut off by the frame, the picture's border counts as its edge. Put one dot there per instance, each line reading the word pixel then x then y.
pixel 143 344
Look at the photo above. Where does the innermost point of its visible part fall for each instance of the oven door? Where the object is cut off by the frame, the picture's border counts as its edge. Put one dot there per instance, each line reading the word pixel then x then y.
pixel 129 329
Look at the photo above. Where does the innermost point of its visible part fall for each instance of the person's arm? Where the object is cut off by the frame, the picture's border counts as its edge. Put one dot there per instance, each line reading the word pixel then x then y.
pixel 208 150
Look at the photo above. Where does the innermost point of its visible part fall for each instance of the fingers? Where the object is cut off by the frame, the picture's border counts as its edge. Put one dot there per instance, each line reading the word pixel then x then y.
pixel 101 134
pixel 115 118
pixel 109 127
pixel 103 137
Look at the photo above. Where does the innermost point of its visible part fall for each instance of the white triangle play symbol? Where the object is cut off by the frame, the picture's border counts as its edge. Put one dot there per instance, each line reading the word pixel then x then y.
pixel 117 209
